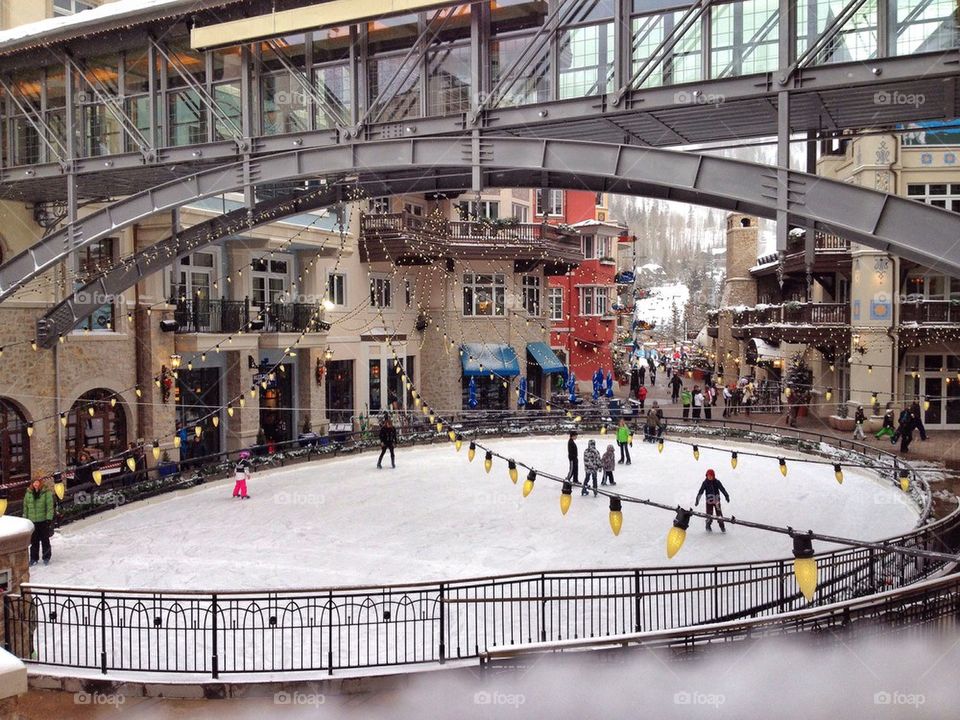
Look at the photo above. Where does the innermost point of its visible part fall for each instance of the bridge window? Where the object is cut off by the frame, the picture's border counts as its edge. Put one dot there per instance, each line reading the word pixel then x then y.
pixel 925 26
pixel 586 60
pixel 448 80
pixel 14 444
pixel 484 295
pixel 331 83
pixel 519 64
pixel 26 105
pixel 744 37
pixel 393 76
pixel 855 41
pixel 681 65
pixel 284 95
pixel 186 111
pixel 227 64
pixel 136 92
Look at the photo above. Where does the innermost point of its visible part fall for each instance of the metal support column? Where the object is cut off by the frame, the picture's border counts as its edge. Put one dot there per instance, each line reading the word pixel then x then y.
pixel 785 53
pixel 810 237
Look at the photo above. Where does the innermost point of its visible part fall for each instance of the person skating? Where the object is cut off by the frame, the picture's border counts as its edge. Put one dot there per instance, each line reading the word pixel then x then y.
pixel 607 462
pixel 591 466
pixel 686 399
pixel 887 429
pixel 573 474
pixel 623 440
pixel 675 385
pixel 241 474
pixel 859 419
pixel 38 509
pixel 651 426
pixel 918 420
pixel 388 441
pixel 713 489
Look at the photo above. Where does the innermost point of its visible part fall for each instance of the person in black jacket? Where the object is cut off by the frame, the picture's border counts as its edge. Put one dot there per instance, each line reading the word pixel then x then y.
pixel 388 440
pixel 713 489
pixel 573 456
pixel 904 431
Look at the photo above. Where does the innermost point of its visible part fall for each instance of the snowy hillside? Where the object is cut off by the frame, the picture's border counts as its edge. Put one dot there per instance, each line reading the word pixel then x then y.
pixel 658 307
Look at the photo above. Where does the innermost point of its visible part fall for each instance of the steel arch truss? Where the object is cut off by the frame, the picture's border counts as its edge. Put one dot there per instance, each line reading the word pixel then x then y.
pixel 876 219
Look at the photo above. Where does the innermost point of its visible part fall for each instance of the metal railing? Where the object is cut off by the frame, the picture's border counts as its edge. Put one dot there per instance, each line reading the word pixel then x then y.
pixel 930 311
pixel 517 232
pixel 341 629
pixel 795 314
pixel 200 315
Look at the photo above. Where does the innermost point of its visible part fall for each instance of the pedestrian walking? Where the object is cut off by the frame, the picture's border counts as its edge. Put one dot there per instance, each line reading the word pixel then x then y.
pixel 388 441
pixel 713 489
pixel 623 440
pixel 904 431
pixel 675 384
pixel 241 474
pixel 918 420
pixel 607 462
pixel 591 467
pixel 642 374
pixel 887 429
pixel 709 395
pixel 573 474
pixel 727 400
pixel 686 399
pixel 859 418
pixel 697 402
pixel 38 509
pixel 642 395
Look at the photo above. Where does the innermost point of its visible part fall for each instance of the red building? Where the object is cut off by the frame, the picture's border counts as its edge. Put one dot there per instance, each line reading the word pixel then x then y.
pixel 583 323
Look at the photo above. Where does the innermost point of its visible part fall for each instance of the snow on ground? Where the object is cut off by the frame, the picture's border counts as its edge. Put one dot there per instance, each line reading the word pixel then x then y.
pixel 437 517
pixel 658 308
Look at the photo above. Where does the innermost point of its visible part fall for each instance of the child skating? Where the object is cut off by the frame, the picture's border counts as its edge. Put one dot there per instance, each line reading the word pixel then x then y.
pixel 608 462
pixel 713 489
pixel 591 466
pixel 241 473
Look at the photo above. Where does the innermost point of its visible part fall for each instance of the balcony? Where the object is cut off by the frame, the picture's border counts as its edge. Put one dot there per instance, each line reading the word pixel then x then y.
pixel 195 315
pixel 924 321
pixel 407 239
pixel 713 324
pixel 831 252
pixel 793 322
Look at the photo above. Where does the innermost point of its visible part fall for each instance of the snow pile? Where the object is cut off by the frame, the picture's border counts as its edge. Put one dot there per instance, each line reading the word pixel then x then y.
pixel 343 522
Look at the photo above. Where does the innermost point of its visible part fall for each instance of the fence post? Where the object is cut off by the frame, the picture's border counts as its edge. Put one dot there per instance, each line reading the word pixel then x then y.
pixel 330 635
pixel 543 607
pixel 103 632
pixel 215 658
pixel 637 627
pixel 443 644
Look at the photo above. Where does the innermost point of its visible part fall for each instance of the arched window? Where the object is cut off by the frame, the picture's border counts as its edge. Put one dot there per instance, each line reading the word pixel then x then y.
pixel 102 432
pixel 14 444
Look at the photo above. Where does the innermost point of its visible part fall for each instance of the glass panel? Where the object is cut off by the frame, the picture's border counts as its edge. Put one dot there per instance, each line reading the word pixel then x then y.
pixel 284 105
pixel 683 64
pixel 392 33
pixel 448 80
pixel 184 62
pixel 399 84
pixel 332 83
pixel 932 389
pixel 924 26
pixel 933 363
pixel 529 80
pixel 227 98
pixel 186 118
pixel 586 59
pixel 744 37
pixel 331 43
pixel 953 403
pixel 375 404
pixel 227 64
pixel 855 41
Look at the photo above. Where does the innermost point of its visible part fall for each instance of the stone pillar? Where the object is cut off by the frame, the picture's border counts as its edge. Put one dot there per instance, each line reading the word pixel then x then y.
pixel 157 419
pixel 312 394
pixel 739 289
pixel 15 535
pixel 243 426
pixel 872 350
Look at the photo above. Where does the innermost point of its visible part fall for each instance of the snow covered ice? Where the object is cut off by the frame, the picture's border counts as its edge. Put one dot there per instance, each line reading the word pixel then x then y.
pixel 341 521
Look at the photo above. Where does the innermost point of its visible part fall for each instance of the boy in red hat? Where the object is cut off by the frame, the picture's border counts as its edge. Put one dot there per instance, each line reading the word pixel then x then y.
pixel 713 488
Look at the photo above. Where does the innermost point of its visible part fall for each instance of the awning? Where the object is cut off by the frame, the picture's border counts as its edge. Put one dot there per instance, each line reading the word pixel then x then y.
pixel 546 358
pixel 479 359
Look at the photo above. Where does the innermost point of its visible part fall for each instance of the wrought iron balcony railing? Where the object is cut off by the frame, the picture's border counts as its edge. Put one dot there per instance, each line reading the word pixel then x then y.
pixel 198 315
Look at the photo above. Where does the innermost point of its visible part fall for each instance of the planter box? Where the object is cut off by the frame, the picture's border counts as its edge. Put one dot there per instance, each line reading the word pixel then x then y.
pixel 844 424
pixel 167 469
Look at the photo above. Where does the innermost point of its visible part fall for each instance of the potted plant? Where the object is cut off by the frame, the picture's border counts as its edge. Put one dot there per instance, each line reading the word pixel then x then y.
pixel 166 466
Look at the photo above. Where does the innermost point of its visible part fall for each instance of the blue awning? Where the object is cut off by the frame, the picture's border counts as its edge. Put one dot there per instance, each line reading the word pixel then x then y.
pixel 546 358
pixel 482 358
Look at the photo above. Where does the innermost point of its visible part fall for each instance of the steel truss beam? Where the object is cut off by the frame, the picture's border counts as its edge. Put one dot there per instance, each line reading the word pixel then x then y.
pixel 885 222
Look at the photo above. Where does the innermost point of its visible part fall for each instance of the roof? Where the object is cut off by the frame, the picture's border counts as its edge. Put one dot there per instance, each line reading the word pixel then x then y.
pixel 607 224
pixel 322 219
pixel 99 19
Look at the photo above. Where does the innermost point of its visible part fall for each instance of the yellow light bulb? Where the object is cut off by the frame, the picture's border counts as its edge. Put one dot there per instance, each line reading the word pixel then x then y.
pixel 696 453
pixel 805 570
pixel 29 429
pixel 829 394
pixel 3 506
pixel 176 441
pixel 113 402
pixel 59 488
pixel 216 420
pixel 678 533
pixel 783 466
pixel 197 431
pixel 566 497
pixel 452 435
pixel 138 391
pixel 243 401
pixel 253 392
pixel 548 407
pixel 512 471
pixel 230 410
pixel 603 429
pixel 660 445
pixel 90 411
pixel 733 460
pixel 439 427
pixel 97 477
pixel 488 462
pixel 458 443
pixel 905 482
pixel 156 449
pixel 471 451
pixel 131 464
pixel 616 515
pixel 528 483
pixel 63 419
pixel 838 473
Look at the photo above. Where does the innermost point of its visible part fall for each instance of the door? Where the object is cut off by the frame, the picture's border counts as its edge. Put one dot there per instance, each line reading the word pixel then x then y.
pixel 933 389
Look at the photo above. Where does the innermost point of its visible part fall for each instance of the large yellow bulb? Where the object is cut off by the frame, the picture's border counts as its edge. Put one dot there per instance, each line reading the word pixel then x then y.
pixel 905 483
pixel 838 473
pixel 675 539
pixel 132 464
pixel 603 429
pixel 452 435
pixel 439 427
pixel 527 487
pixel 458 443
pixel 60 489
pixel 513 475
pixel 783 467
pixel 471 454
pixel 198 431
pixel 696 453
pixel 3 506
pixel 616 521
pixel 487 464
pixel 565 500
pixel 805 570
pixel 97 477
pixel 659 446
pixel 733 460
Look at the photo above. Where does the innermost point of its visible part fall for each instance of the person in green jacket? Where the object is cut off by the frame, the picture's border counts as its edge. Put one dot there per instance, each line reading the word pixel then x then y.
pixel 623 440
pixel 686 399
pixel 38 509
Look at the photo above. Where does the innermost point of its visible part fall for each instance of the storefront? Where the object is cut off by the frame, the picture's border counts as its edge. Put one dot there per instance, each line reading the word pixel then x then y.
pixel 14 444
pixel 96 425
pixel 542 366
pixel 933 380
pixel 275 383
pixel 339 392
pixel 198 398
pixel 490 367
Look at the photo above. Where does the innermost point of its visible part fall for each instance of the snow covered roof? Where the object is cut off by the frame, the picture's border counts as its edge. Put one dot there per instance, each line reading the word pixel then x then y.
pixel 99 19
pixel 606 224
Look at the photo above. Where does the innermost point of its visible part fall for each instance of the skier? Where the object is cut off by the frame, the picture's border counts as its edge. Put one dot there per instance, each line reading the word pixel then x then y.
pixel 38 509
pixel 713 488
pixel 573 474
pixel 241 473
pixel 591 466
pixel 675 384
pixel 859 419
pixel 887 429
pixel 608 461
pixel 623 440
pixel 686 398
pixel 388 440
pixel 918 420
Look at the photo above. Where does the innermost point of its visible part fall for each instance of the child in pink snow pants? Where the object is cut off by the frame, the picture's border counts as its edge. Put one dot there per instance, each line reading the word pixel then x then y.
pixel 241 473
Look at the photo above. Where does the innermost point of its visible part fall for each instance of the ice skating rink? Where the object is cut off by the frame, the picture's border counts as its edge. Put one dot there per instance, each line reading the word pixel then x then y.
pixel 436 516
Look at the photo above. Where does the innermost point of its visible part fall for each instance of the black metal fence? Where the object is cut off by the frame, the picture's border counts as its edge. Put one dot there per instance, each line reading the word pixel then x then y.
pixel 339 629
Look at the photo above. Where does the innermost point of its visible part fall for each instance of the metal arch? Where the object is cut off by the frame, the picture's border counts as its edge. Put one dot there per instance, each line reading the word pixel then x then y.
pixel 876 219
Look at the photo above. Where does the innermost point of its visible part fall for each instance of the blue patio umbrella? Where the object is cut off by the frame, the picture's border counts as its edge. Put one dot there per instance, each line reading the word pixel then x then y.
pixel 522 396
pixel 609 385
pixel 472 399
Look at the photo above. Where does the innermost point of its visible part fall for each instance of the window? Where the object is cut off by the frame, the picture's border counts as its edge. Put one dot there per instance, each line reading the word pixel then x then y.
pixel 552 205
pixel 337 288
pixel 555 299
pixel 413 209
pixel 96 258
pixel 923 285
pixel 482 210
pixel 520 213
pixel 484 295
pixel 69 7
pixel 270 280
pixel 14 443
pixel 379 205
pixel 593 300
pixel 941 195
pixel 531 295
pixel 588 246
pixel 375 404
pixel 380 292
pixel 408 292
